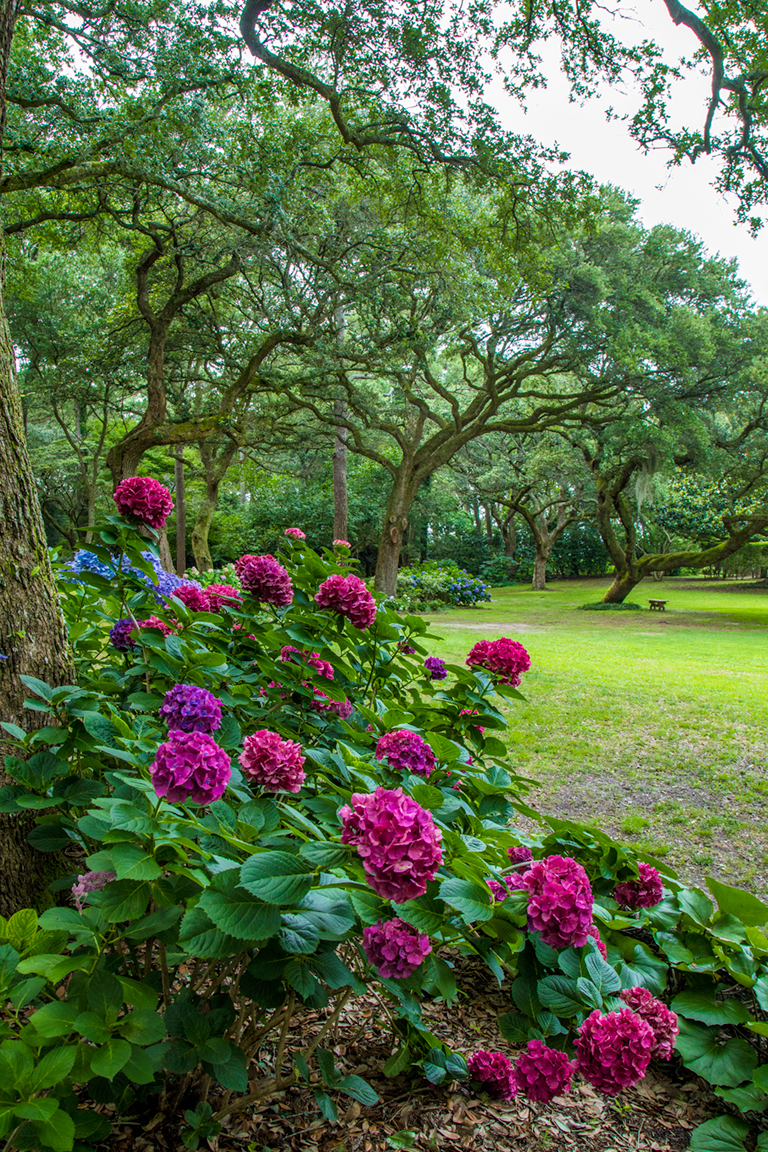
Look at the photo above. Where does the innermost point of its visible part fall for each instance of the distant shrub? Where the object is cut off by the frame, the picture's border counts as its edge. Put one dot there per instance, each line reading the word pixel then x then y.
pixel 441 584
pixel 610 608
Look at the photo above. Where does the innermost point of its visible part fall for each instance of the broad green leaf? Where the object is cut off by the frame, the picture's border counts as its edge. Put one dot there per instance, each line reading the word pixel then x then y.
pixel 108 1060
pixel 398 1062
pixel 58 1134
pixel 472 900
pixel 736 902
pixel 602 975
pixel 276 877
pixel 704 1007
pixel 41 1109
pixel 358 1089
pixel 237 912
pixel 123 900
pixel 424 913
pixel 132 863
pixel 21 929
pixel 701 1050
pixel 515 1027
pixel 696 904
pixel 54 1067
pixel 54 1019
pixel 723 1134
pixel 747 1097
pixel 298 934
pixel 200 937
pixel 559 993
pixel 525 995
pixel 324 853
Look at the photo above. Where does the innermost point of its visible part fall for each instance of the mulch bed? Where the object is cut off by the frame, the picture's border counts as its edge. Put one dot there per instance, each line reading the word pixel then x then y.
pixel 656 1116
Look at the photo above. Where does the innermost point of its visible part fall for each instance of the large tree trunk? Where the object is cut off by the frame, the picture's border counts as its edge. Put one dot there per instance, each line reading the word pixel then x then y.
pixel 621 587
pixel 216 464
pixel 539 582
pixel 200 547
pixel 340 497
pixel 181 512
pixel 33 637
pixel 401 498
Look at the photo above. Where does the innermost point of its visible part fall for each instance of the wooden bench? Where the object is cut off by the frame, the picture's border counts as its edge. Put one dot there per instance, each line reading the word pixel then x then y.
pixel 657 605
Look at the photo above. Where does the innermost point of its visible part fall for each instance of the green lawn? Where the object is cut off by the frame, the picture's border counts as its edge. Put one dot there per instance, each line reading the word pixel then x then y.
pixel 653 725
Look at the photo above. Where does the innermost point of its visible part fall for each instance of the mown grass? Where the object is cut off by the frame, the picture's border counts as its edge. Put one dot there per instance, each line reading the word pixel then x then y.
pixel 652 725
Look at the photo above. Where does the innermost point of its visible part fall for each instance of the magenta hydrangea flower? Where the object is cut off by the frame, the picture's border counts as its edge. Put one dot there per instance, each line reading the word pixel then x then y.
pixel 190 766
pixel 194 598
pixel 645 892
pixel 519 854
pixel 348 596
pixel 321 702
pixel 541 1073
pixel 661 1020
pixel 191 709
pixel 144 499
pixel 495 1070
pixel 153 622
pixel 223 596
pixel 613 1051
pixel 90 882
pixel 594 931
pixel 499 891
pixel 436 668
pixel 505 659
pixel 395 948
pixel 472 712
pixel 295 533
pixel 264 579
pixel 120 634
pixel 406 752
pixel 406 649
pixel 291 655
pixel 397 840
pixel 560 901
pixel 342 544
pixel 276 765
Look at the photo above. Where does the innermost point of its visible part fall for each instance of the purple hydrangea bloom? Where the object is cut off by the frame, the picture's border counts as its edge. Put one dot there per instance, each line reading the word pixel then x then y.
pixel 222 597
pixel 192 597
pixel 395 948
pixel 495 1070
pixel 613 1051
pixel 406 752
pixel 397 840
pixel 436 668
pixel 120 634
pixel 321 702
pixel 560 901
pixel 519 854
pixel 264 579
pixel 191 709
pixel 190 766
pixel 645 892
pixel 662 1020
pixel 541 1073
pixel 90 882
pixel 274 764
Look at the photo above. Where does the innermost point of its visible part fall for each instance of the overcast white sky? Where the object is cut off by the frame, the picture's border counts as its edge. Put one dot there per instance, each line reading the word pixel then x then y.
pixel 683 196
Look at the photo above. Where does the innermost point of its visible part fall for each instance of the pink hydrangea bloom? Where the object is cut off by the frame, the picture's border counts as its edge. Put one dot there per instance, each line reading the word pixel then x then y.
pixel 153 622
pixel 190 766
pixel 194 598
pixel 541 1073
pixel 662 1020
pixel 645 892
pixel 594 931
pixel 499 891
pixel 495 1070
pixel 613 1051
pixel 291 655
pixel 519 854
pixel 90 882
pixel 406 752
pixel 295 533
pixel 145 499
pixel 472 712
pixel 505 659
pixel 323 703
pixel 397 840
pixel 223 596
pixel 264 579
pixel 395 948
pixel 274 764
pixel 342 544
pixel 348 596
pixel 560 901
pixel 406 649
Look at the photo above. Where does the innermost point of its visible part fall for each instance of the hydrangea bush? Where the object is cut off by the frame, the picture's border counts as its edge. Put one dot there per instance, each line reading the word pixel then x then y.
pixel 262 802
pixel 428 584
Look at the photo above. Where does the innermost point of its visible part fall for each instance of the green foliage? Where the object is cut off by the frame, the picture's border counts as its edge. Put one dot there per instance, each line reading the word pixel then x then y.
pixel 439 582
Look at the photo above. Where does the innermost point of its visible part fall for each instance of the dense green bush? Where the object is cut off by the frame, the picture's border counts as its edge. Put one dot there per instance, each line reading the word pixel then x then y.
pixel 439 583
pixel 203 929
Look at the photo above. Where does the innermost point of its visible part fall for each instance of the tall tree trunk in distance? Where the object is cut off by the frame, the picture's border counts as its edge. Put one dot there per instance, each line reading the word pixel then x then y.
pixel 216 464
pixel 340 494
pixel 181 512
pixel 401 498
